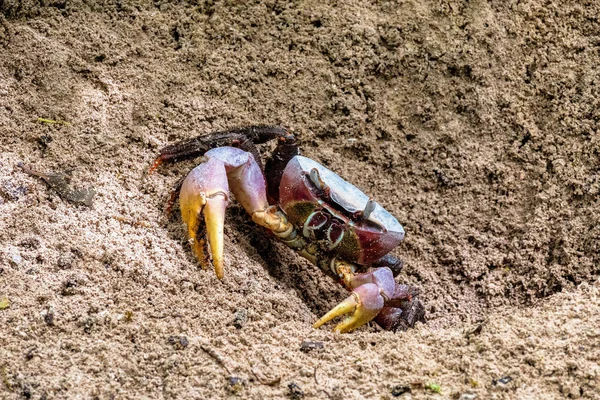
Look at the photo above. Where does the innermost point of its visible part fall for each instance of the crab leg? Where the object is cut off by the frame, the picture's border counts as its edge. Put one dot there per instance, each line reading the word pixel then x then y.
pixel 244 138
pixel 402 310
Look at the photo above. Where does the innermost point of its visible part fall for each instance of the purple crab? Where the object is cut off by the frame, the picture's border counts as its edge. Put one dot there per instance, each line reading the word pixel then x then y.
pixel 307 207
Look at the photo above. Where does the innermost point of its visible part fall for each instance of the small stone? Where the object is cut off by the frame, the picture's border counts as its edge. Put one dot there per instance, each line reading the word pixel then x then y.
pixel 295 392
pixel 48 316
pixel 27 391
pixel 88 324
pixel 399 390
pixel 44 141
pixel 65 261
pixel 467 396
pixel 502 381
pixel 308 346
pixel 474 332
pixel 30 243
pixel 30 354
pixel 240 318
pixel 69 287
pixel 16 260
pixel 178 342
pixel 12 192
pixel 235 385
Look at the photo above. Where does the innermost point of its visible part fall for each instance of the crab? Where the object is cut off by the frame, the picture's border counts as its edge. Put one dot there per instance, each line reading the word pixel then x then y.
pixel 309 208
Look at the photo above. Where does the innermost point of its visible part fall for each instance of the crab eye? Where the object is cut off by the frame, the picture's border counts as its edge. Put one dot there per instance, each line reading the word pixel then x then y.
pixel 335 234
pixel 314 222
pixel 369 208
pixel 315 178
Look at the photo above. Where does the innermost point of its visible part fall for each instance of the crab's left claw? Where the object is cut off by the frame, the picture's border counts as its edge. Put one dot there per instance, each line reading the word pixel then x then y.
pixel 364 303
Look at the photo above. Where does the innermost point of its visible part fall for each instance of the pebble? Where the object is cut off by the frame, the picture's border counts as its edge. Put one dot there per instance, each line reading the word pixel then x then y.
pixel 295 392
pixel 399 390
pixel 308 346
pixel 16 259
pixel 11 191
pixel 48 315
pixel 178 342
pixel 240 318
pixel 235 384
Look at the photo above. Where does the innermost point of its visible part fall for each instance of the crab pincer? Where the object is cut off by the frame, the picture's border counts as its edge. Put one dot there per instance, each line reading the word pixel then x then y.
pixel 204 196
pixel 370 292
pixel 364 303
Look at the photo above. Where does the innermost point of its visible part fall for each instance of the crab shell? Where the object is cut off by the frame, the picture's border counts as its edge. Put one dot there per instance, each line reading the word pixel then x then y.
pixel 332 214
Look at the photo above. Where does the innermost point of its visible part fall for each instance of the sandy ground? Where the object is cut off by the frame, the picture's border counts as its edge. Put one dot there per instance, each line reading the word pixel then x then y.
pixel 475 123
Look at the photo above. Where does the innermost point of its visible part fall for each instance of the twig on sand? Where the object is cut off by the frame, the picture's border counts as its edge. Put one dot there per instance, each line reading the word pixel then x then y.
pixel 318 384
pixel 217 357
pixel 60 182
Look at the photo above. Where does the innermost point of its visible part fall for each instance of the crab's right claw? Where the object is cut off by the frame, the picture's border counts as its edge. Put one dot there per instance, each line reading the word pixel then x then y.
pixel 203 199
pixel 364 303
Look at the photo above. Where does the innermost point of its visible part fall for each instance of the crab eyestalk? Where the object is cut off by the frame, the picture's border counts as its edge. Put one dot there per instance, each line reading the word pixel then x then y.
pixel 369 208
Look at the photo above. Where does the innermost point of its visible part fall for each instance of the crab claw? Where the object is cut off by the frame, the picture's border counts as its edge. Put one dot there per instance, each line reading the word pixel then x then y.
pixel 203 200
pixel 364 303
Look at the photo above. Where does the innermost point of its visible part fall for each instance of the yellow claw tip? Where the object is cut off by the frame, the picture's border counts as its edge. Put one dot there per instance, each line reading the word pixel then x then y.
pixel 347 326
pixel 347 306
pixel 219 272
pixel 214 216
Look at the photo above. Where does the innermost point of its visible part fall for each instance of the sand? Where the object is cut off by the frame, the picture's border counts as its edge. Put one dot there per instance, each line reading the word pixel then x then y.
pixel 475 123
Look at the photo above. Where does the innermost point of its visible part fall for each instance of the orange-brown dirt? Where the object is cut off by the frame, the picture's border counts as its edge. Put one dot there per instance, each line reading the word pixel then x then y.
pixel 475 123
